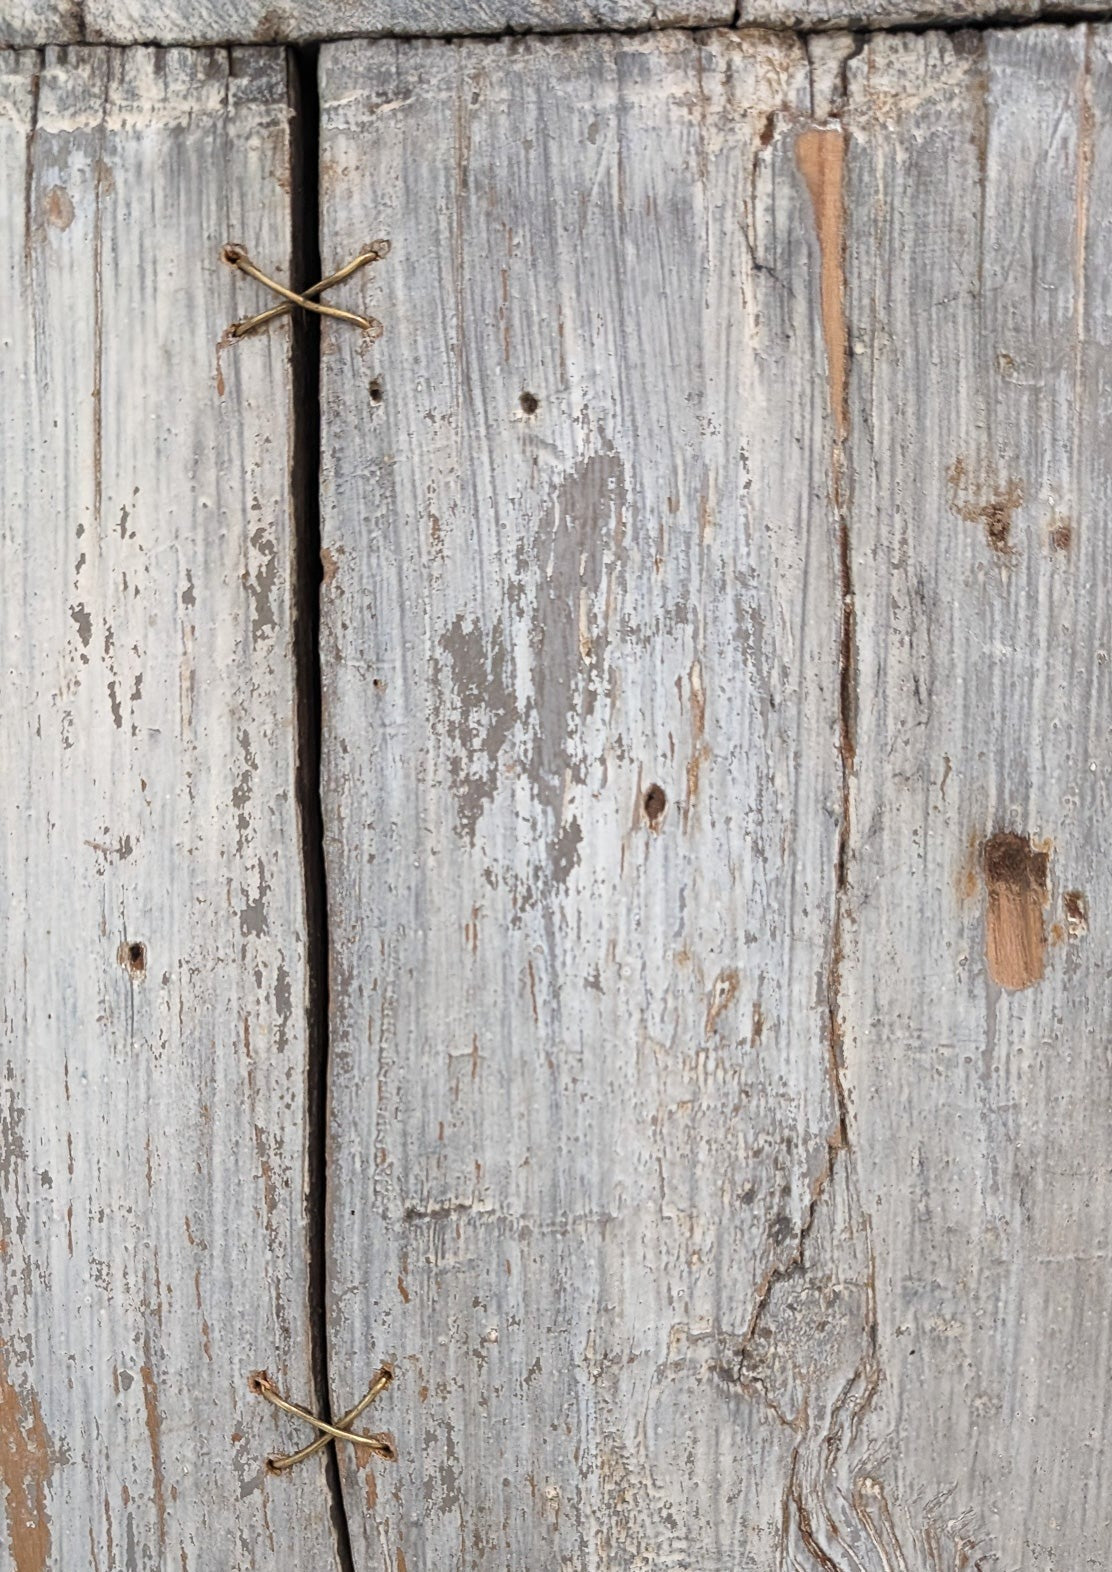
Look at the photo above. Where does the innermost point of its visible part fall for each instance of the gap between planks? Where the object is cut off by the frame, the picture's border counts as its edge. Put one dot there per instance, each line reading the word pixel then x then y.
pixel 306 575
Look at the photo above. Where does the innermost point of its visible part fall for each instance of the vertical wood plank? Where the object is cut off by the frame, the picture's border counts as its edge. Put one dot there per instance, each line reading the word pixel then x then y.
pixel 582 793
pixel 152 1029
pixel 980 193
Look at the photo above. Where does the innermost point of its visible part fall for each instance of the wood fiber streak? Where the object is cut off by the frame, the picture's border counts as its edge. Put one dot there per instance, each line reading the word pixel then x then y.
pixel 977 948
pixel 152 1036
pixel 582 791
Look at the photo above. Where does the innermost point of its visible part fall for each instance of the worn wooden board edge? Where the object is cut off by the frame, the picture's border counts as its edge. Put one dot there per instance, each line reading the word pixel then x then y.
pixel 153 1046
pixel 28 24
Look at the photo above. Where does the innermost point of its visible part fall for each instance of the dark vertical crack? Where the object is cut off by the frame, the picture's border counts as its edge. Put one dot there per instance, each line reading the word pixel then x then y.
pixel 305 268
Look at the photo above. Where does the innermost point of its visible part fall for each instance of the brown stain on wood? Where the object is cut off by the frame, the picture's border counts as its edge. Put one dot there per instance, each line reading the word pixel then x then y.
pixel 59 208
pixel 1016 880
pixel 154 1431
pixel 722 995
pixel 992 506
pixel 25 1469
pixel 820 155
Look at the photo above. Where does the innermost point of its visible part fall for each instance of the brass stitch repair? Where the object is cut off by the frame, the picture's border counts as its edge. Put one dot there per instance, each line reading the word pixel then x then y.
pixel 236 256
pixel 381 1445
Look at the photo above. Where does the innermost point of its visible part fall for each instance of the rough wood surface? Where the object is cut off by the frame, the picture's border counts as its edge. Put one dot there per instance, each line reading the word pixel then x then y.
pixel 979 200
pixel 152 1042
pixel 904 13
pixel 263 21
pixel 32 22
pixel 582 788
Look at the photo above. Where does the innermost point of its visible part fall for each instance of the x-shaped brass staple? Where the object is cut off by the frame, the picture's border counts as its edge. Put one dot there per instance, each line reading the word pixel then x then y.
pixel 237 257
pixel 381 1445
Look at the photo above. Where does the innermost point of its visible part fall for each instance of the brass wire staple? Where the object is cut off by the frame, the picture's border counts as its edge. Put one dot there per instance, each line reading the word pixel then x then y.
pixel 236 256
pixel 381 1445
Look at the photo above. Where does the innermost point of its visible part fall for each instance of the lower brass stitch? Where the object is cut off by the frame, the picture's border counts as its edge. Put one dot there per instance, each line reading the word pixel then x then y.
pixel 381 1445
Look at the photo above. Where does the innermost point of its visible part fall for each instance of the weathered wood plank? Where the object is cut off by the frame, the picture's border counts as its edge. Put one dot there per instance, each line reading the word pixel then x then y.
pixel 261 21
pixel 979 230
pixel 26 23
pixel 903 13
pixel 152 1041
pixel 582 787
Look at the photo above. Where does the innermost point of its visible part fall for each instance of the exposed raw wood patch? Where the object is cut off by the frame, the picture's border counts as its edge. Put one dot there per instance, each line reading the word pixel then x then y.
pixel 154 1430
pixel 820 155
pixel 993 506
pixel 59 208
pixel 1016 879
pixel 25 1469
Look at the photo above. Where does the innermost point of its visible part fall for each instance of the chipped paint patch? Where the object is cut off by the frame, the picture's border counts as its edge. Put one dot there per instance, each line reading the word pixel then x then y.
pixel 1016 880
pixel 25 1469
pixel 154 1432
pixel 722 995
pixel 992 505
pixel 820 157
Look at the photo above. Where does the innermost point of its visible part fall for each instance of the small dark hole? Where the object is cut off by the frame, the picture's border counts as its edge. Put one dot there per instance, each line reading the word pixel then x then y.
pixel 530 403
pixel 133 955
pixel 376 391
pixel 654 803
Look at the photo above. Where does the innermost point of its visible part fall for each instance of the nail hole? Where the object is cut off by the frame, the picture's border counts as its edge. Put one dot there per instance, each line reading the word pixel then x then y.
pixel 530 403
pixel 134 957
pixel 654 803
pixel 233 254
pixel 376 391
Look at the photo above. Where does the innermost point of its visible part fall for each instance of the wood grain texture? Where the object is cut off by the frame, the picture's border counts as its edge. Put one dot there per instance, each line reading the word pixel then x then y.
pixel 264 21
pixel 582 794
pixel 24 23
pixel 978 950
pixel 27 23
pixel 152 1039
pixel 879 14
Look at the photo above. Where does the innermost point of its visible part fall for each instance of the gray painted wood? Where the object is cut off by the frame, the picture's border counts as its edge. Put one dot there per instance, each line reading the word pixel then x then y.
pixel 152 1109
pixel 881 14
pixel 24 23
pixel 583 1097
pixel 263 21
pixel 30 22
pixel 979 300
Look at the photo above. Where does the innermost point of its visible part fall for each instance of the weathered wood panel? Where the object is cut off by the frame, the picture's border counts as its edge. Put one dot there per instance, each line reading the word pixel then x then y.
pixel 262 21
pixel 30 22
pixel 27 22
pixel 152 1042
pixel 582 788
pixel 904 13
pixel 979 185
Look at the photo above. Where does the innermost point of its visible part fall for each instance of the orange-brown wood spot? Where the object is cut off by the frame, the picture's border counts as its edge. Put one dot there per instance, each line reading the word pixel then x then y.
pixel 820 155
pixel 25 1469
pixel 1016 879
